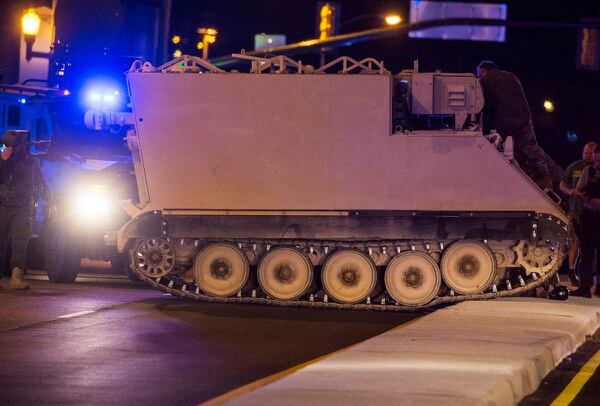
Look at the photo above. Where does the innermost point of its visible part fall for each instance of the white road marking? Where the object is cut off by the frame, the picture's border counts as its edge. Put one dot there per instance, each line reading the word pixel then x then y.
pixel 81 313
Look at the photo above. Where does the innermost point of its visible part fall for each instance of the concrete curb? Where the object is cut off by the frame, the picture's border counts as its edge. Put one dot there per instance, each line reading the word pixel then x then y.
pixel 475 353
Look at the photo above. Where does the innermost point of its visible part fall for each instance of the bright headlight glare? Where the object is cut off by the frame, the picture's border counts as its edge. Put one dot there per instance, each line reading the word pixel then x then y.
pixel 92 206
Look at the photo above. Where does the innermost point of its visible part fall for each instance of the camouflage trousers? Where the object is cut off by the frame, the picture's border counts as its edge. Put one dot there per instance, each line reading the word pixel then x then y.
pixel 530 157
pixel 15 225
pixel 590 247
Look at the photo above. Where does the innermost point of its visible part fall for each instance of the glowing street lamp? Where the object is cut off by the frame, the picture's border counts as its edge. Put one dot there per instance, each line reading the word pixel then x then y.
pixel 389 19
pixel 209 36
pixel 548 106
pixel 393 19
pixel 30 25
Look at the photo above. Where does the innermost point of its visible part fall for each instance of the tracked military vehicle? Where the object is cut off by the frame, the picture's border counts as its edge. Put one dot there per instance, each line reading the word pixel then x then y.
pixel 340 187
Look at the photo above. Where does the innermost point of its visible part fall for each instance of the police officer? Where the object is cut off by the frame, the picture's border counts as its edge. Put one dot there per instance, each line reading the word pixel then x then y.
pixel 21 182
pixel 508 112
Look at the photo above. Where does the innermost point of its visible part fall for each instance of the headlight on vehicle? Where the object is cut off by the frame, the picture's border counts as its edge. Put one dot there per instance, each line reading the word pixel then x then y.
pixel 92 203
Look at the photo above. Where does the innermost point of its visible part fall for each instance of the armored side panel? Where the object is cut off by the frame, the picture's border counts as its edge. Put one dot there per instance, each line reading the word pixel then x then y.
pixel 308 142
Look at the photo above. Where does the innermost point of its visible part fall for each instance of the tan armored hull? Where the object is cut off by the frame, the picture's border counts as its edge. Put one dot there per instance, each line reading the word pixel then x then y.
pixel 308 188
pixel 300 142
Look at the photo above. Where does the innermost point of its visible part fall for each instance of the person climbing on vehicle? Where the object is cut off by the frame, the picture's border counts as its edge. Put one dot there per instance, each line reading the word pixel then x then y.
pixel 506 110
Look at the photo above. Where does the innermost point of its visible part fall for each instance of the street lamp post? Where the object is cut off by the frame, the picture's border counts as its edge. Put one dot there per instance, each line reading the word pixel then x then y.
pixel 389 19
pixel 37 27
pixel 209 36
pixel 30 26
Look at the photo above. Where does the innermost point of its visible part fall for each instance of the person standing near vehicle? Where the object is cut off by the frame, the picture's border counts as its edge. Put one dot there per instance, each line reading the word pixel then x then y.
pixel 588 190
pixel 568 186
pixel 508 112
pixel 21 183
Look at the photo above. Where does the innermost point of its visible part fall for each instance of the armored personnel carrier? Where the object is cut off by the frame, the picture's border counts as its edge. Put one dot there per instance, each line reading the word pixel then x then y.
pixel 340 187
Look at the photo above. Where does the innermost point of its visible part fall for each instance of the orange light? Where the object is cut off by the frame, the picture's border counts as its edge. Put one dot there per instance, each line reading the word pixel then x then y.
pixel 548 106
pixel 393 19
pixel 176 39
pixel 177 53
pixel 30 22
pixel 325 24
pixel 207 31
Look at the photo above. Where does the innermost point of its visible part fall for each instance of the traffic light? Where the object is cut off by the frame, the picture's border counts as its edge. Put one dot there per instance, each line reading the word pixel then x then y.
pixel 588 48
pixel 328 15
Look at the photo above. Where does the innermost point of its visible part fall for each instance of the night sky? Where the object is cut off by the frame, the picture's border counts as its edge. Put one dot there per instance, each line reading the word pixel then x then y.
pixel 544 59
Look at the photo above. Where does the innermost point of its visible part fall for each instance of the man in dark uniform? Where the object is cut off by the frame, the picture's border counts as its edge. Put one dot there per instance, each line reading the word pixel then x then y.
pixel 588 190
pixel 507 112
pixel 568 186
pixel 21 182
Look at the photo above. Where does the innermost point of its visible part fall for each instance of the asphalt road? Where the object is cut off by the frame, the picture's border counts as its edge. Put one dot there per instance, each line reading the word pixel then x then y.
pixel 110 341
pixel 556 385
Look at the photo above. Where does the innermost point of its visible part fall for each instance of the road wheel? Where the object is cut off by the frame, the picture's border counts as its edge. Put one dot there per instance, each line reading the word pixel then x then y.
pixel 349 276
pixel 221 269
pixel 413 278
pixel 468 267
pixel 285 273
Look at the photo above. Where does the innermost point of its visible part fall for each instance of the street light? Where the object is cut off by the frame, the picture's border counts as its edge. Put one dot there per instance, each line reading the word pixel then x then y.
pixel 393 19
pixel 30 25
pixel 209 36
pixel 389 19
pixel 326 27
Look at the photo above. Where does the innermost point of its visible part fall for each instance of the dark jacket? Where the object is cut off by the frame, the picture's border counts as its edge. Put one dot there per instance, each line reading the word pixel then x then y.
pixel 506 107
pixel 21 181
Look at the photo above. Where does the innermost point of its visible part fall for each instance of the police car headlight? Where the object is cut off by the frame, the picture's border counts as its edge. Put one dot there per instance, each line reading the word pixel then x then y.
pixel 92 204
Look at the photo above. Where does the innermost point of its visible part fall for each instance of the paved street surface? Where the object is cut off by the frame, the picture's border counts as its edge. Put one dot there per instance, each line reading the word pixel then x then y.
pixel 473 353
pixel 110 341
pixel 567 382
pixel 106 340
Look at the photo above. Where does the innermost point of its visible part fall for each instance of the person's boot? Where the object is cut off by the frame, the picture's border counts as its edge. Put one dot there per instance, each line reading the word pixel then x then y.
pixel 16 281
pixel 573 278
pixel 582 292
